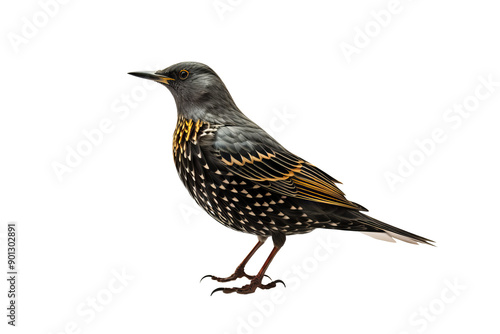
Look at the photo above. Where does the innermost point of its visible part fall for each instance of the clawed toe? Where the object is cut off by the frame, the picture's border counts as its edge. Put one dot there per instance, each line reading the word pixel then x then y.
pixel 236 275
pixel 250 288
pixel 223 279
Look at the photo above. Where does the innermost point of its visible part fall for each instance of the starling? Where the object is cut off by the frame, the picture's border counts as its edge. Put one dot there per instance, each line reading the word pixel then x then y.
pixel 247 181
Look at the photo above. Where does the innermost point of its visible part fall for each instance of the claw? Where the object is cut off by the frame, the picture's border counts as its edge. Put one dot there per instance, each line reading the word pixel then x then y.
pixel 211 276
pixel 280 281
pixel 218 289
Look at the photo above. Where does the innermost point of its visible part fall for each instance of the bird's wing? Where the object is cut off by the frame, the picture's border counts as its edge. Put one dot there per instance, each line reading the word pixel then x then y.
pixel 254 155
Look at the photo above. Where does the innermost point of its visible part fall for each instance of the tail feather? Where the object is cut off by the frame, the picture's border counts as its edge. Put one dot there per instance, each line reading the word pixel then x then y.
pixel 388 232
pixel 380 236
pixel 353 220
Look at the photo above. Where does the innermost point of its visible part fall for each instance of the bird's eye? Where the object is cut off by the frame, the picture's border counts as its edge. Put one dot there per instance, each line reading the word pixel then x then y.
pixel 183 74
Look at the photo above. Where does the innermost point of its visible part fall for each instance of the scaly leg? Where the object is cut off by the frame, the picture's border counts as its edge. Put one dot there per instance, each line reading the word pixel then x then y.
pixel 256 281
pixel 240 270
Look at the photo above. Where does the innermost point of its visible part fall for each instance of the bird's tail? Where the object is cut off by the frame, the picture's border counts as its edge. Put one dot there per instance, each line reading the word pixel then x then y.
pixel 388 232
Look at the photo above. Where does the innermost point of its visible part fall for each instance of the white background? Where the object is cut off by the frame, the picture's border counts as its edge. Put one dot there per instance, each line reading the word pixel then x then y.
pixel 123 208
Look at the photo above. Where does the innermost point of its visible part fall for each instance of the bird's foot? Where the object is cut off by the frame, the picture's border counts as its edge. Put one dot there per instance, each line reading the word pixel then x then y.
pixel 255 283
pixel 238 273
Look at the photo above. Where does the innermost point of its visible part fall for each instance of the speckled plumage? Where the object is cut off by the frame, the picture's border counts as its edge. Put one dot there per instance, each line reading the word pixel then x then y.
pixel 245 179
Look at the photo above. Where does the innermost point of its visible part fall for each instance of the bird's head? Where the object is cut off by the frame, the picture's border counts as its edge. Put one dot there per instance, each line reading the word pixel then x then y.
pixel 198 91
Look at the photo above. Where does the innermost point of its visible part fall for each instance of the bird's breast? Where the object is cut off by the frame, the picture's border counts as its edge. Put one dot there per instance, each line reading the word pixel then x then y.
pixel 186 130
pixel 190 161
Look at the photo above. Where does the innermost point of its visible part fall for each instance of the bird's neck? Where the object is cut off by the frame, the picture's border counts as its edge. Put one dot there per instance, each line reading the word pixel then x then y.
pixel 212 111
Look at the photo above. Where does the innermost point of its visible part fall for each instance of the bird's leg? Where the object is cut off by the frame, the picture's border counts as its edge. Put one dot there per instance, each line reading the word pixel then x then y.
pixel 240 270
pixel 256 282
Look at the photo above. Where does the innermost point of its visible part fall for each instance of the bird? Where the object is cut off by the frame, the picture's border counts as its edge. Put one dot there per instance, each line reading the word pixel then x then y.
pixel 246 180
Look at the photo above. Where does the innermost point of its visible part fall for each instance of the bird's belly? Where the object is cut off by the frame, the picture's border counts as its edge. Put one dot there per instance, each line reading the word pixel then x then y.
pixel 235 202
pixel 207 187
